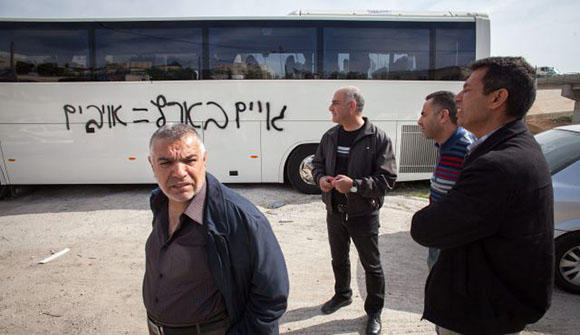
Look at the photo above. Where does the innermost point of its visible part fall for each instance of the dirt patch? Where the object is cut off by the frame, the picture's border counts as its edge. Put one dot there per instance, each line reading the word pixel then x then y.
pixel 540 124
pixel 95 288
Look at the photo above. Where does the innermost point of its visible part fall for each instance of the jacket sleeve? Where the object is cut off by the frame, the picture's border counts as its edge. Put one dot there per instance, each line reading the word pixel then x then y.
pixel 468 212
pixel 269 286
pixel 319 162
pixel 385 171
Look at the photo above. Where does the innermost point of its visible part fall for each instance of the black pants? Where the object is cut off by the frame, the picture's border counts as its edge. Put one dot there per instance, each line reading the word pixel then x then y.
pixel 364 232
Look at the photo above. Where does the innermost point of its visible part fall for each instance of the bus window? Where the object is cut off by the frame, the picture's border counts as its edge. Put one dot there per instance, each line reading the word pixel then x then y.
pixel 44 55
pixel 262 52
pixel 454 50
pixel 147 54
pixel 376 53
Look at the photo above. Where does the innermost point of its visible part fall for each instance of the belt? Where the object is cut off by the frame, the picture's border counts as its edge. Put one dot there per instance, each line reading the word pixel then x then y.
pixel 221 322
pixel 342 209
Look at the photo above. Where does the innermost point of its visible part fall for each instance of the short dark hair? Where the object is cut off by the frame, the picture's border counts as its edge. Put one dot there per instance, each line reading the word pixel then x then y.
pixel 514 74
pixel 175 131
pixel 445 99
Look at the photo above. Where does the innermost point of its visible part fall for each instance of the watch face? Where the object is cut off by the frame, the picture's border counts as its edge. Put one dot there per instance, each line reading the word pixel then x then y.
pixel 353 189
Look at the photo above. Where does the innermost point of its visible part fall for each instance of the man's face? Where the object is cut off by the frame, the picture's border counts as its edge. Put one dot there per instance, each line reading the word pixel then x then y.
pixel 472 103
pixel 429 120
pixel 178 166
pixel 339 108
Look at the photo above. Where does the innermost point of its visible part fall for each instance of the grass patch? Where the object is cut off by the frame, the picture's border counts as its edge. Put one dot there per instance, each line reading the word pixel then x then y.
pixel 563 119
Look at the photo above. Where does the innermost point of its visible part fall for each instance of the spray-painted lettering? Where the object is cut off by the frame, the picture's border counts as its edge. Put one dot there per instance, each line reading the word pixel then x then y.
pixel 210 113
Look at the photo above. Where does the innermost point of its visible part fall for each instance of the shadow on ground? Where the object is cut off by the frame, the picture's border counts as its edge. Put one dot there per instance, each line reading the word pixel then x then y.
pixel 343 326
pixel 76 198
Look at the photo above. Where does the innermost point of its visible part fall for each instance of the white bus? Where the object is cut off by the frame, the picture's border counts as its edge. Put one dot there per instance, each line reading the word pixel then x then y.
pixel 79 99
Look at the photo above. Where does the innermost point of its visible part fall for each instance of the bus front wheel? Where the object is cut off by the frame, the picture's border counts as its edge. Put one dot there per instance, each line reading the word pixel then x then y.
pixel 300 169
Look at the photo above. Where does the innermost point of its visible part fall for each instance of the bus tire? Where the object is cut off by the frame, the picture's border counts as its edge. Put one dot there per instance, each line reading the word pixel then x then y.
pixel 299 170
pixel 4 191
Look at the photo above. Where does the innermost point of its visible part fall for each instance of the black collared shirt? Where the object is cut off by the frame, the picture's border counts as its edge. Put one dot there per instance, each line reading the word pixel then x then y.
pixel 178 288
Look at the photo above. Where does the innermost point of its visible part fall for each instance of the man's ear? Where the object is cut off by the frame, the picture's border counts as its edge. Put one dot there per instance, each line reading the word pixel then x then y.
pixel 443 114
pixel 352 105
pixel 150 161
pixel 499 98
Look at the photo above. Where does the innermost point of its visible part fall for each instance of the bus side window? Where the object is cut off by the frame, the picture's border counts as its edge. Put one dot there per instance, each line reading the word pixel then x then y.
pixel 253 69
pixel 290 70
pixel 359 65
pixel 399 68
pixel 382 52
pixel 134 53
pixel 308 67
pixel 454 50
pixel 263 52
pixel 39 55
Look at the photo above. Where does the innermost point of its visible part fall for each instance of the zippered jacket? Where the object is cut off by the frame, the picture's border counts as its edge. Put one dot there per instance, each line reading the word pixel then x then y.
pixel 371 165
pixel 245 259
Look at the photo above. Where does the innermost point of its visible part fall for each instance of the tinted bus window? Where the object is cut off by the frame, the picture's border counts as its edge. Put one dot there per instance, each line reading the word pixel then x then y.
pixel 44 55
pixel 376 53
pixel 455 49
pixel 262 52
pixel 148 54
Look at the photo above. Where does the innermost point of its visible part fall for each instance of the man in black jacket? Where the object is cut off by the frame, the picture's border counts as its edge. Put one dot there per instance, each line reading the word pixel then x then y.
pixel 495 227
pixel 213 264
pixel 354 167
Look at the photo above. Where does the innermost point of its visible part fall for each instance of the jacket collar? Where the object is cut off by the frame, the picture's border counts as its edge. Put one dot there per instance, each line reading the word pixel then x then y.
pixel 214 213
pixel 501 135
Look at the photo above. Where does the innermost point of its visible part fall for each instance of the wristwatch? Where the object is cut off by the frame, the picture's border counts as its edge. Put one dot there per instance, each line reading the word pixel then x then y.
pixel 354 187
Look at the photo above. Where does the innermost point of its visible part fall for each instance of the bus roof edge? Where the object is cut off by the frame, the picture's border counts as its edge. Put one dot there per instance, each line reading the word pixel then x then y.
pixel 381 12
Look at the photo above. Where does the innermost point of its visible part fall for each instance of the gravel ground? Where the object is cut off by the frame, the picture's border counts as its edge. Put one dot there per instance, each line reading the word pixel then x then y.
pixel 96 287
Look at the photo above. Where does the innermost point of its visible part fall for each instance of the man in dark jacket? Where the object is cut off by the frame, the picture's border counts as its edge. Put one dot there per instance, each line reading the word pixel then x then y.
pixel 213 264
pixel 495 227
pixel 354 167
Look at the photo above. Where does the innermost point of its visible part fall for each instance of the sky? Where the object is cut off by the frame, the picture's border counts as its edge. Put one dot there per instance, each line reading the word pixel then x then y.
pixel 546 33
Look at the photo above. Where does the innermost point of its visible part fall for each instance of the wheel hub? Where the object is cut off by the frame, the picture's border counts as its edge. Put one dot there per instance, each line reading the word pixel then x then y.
pixel 306 169
pixel 570 266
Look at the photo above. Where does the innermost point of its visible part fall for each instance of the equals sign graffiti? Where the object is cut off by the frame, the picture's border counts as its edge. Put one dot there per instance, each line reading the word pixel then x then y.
pixel 140 120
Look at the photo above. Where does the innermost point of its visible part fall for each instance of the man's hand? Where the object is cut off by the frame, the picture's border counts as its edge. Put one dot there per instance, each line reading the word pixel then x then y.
pixel 325 183
pixel 342 183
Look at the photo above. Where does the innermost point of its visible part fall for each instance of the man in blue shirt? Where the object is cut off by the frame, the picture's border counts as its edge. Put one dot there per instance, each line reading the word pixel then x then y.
pixel 438 121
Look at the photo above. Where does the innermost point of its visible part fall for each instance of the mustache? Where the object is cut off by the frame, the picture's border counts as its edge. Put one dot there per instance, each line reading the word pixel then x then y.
pixel 179 182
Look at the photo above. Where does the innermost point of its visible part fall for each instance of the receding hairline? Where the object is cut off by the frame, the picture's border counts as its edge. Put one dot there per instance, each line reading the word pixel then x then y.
pixel 171 139
pixel 349 89
pixel 353 93
pixel 174 133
